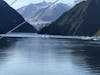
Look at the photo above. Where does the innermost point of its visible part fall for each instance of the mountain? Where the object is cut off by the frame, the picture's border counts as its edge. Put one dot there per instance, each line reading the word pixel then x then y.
pixel 82 20
pixel 97 33
pixel 51 14
pixel 10 19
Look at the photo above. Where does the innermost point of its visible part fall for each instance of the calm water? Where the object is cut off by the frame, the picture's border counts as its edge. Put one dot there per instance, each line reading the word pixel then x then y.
pixel 38 56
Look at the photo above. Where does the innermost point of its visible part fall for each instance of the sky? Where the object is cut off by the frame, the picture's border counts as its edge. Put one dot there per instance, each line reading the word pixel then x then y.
pixel 20 3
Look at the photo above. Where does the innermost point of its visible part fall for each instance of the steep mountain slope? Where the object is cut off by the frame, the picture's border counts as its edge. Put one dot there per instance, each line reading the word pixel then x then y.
pixel 82 20
pixel 9 18
pixel 51 14
pixel 32 9
pixel 97 33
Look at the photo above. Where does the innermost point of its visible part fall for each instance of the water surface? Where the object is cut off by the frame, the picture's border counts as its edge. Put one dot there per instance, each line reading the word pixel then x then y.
pixel 47 56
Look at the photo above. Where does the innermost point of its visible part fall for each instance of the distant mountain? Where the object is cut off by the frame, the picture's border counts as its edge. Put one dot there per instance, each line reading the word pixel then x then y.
pixel 82 20
pixel 9 18
pixel 51 14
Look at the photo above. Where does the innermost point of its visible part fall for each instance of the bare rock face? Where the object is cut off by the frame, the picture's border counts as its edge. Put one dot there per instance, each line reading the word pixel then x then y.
pixel 9 18
pixel 50 14
pixel 82 20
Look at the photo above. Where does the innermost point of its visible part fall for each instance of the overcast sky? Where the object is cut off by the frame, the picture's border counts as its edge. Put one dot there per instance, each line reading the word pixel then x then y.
pixel 20 3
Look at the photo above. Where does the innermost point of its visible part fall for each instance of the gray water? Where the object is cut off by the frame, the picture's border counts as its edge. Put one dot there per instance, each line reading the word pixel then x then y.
pixel 38 56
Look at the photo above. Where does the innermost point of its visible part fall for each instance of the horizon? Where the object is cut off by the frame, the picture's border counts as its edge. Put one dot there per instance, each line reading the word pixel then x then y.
pixel 21 3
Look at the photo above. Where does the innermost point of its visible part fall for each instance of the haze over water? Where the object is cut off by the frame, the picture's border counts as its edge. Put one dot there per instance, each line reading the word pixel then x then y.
pixel 47 56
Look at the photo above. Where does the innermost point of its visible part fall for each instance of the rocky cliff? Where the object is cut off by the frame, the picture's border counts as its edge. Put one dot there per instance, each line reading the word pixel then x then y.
pixel 9 18
pixel 82 20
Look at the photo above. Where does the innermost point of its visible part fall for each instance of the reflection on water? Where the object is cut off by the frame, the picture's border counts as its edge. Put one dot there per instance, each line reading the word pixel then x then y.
pixel 36 56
